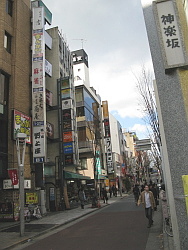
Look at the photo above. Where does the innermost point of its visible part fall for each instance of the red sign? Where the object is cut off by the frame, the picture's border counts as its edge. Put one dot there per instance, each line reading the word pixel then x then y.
pixel 67 136
pixel 13 176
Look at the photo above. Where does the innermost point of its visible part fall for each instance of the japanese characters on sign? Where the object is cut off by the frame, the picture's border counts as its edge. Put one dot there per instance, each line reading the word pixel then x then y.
pixel 68 148
pixel 31 198
pixel 22 124
pixel 38 142
pixel 68 136
pixel 109 159
pixel 38 87
pixel 170 33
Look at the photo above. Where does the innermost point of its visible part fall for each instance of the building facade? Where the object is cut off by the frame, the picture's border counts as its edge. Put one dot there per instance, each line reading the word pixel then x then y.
pixel 15 92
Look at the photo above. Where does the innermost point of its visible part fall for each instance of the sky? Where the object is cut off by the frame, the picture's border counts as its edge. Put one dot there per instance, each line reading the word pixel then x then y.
pixel 114 37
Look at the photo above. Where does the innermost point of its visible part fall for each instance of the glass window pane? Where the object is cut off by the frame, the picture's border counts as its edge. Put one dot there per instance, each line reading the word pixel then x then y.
pixel 2 88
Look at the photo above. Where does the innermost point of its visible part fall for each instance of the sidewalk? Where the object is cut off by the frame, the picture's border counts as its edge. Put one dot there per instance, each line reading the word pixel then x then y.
pixel 53 220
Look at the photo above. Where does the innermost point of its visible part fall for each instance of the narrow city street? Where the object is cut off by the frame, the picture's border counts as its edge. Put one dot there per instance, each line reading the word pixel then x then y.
pixel 121 225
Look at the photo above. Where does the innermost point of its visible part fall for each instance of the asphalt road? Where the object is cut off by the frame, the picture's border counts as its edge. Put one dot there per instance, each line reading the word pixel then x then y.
pixel 121 225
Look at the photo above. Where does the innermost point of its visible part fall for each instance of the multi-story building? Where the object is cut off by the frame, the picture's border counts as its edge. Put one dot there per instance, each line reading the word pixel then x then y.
pixel 62 148
pixel 118 150
pixel 89 120
pixel 15 92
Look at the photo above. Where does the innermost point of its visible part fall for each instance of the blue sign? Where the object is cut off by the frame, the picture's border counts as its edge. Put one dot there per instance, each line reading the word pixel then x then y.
pixel 68 148
pixel 38 159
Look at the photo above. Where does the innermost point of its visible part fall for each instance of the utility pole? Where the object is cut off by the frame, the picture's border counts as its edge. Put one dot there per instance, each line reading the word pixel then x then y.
pixel 20 146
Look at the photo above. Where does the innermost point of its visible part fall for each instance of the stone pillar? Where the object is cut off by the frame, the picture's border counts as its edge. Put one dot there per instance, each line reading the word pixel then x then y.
pixel 171 89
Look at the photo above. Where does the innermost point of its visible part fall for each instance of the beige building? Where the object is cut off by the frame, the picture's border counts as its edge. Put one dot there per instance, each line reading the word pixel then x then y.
pixel 15 72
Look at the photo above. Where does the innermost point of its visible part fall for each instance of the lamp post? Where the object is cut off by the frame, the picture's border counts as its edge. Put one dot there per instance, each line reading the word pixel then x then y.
pixel 20 146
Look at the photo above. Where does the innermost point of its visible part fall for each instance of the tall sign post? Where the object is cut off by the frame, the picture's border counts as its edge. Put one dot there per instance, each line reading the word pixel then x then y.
pixel 168 42
pixel 20 146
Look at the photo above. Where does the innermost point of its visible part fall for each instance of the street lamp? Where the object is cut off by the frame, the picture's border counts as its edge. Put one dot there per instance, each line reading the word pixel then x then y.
pixel 20 146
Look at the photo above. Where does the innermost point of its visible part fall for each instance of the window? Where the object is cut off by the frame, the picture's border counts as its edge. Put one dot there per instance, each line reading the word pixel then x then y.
pixel 9 5
pixel 4 83
pixel 7 42
pixel 83 163
pixel 3 93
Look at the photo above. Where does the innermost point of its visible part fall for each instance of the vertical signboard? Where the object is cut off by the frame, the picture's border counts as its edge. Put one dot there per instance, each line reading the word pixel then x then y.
pixel 170 34
pixel 67 113
pixel 109 160
pixel 38 87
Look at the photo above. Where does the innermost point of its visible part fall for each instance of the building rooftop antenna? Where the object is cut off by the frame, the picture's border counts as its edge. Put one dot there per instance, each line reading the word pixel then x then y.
pixel 82 41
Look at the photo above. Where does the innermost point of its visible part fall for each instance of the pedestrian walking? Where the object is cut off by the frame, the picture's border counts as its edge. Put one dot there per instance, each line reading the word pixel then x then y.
pixel 148 201
pixel 82 197
pixel 163 198
pixel 136 193
pixel 105 196
pixel 113 190
pixel 153 189
pixel 110 191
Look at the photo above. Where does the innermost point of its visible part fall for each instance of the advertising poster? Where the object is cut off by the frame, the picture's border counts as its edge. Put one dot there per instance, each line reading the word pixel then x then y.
pixel 22 124
pixel 31 198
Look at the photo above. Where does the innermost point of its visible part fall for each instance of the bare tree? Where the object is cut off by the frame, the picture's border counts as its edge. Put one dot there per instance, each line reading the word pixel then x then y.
pixel 148 103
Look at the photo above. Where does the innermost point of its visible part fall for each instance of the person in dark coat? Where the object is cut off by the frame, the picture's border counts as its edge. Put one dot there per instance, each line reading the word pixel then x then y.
pixel 105 196
pixel 154 191
pixel 110 191
pixel 136 192
pixel 82 197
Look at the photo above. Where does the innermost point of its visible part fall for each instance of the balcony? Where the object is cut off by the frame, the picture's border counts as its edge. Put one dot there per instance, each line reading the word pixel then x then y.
pixel 85 147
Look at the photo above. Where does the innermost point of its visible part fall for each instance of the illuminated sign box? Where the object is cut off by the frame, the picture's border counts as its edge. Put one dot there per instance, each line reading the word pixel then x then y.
pixel 68 136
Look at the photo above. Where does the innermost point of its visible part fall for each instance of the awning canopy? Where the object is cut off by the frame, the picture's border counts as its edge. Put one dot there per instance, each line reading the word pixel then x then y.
pixel 70 175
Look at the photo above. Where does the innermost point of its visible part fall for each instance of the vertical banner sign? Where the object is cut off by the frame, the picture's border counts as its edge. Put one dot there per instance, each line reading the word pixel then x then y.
pixel 170 34
pixel 109 160
pixel 38 87
pixel 68 138
pixel 13 174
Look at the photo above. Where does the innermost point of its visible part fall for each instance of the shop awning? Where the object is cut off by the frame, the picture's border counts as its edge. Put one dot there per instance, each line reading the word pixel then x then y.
pixel 70 175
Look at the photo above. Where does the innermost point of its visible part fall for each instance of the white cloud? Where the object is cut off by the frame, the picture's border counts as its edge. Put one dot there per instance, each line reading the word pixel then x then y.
pixel 141 130
pixel 116 83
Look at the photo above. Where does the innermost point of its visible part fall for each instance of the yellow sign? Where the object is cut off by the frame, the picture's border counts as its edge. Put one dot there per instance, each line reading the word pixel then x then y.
pixel 106 182
pixel 185 186
pixel 31 198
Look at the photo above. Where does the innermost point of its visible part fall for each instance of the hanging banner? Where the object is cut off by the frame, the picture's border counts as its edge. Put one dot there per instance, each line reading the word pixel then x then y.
pixel 13 174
